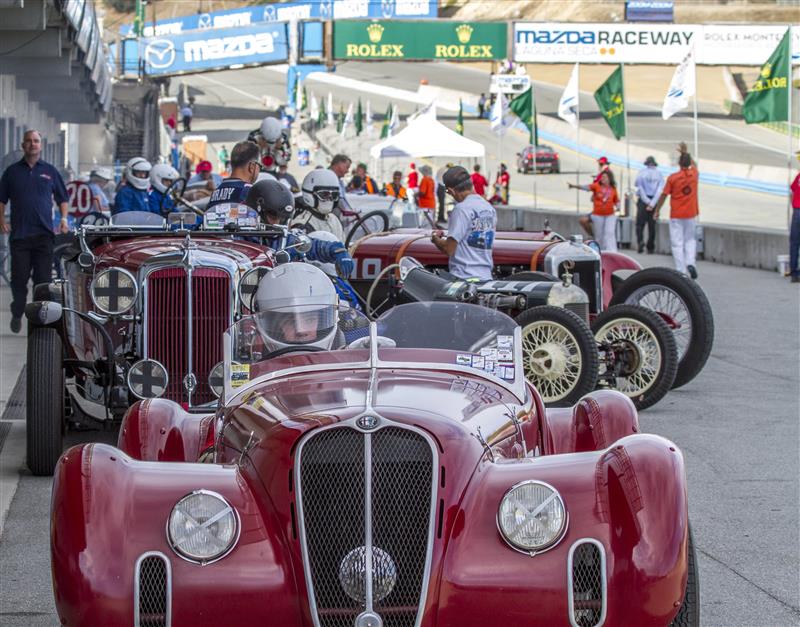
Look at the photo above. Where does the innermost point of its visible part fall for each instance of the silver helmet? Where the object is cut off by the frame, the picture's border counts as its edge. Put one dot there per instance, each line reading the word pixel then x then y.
pixel 163 172
pixel 296 305
pixel 321 190
pixel 137 172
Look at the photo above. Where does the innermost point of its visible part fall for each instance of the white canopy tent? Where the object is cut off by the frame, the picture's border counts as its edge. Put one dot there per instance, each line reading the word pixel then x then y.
pixel 427 137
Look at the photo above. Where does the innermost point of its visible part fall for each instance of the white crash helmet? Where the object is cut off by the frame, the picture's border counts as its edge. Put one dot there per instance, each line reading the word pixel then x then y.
pixel 296 305
pixel 265 176
pixel 160 172
pixel 321 190
pixel 102 173
pixel 271 129
pixel 137 172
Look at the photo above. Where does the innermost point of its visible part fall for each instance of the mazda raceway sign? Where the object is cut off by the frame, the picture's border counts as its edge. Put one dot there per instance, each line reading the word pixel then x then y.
pixel 422 41
pixel 713 44
pixel 205 50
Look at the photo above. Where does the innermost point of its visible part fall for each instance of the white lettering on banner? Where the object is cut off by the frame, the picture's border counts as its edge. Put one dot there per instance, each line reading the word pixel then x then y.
pixel 300 12
pixel 237 19
pixel 411 7
pixel 169 28
pixel 228 47
pixel 556 42
pixel 344 9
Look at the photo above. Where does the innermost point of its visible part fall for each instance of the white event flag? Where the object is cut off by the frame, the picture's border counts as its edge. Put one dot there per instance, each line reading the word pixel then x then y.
pixel 568 105
pixel 681 88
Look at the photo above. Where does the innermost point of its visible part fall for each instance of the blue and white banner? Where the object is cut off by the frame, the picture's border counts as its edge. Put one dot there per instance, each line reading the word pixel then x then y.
pixel 284 12
pixel 209 50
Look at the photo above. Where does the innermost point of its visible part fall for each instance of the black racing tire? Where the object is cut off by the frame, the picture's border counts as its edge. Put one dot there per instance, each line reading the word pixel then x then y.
pixel 532 275
pixel 641 349
pixel 358 224
pixel 559 354
pixel 44 400
pixel 668 288
pixel 689 613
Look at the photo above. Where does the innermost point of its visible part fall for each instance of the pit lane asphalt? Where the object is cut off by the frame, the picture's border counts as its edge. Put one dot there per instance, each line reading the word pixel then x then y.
pixel 736 423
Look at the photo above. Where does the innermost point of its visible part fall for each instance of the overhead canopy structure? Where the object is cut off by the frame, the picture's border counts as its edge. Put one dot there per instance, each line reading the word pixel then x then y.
pixel 427 137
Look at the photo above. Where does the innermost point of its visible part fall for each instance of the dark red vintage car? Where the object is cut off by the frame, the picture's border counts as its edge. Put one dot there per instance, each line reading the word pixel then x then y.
pixel 142 306
pixel 411 478
pixel 532 264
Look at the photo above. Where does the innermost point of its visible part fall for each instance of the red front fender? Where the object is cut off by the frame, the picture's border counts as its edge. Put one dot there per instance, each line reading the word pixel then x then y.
pixel 108 510
pixel 611 263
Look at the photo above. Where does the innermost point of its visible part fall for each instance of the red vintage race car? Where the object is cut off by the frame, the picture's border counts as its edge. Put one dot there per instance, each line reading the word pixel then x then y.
pixel 531 264
pixel 138 314
pixel 412 477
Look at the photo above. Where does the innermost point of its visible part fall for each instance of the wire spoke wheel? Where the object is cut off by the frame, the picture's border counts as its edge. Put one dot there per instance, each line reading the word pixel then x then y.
pixel 640 354
pixel 552 359
pixel 669 306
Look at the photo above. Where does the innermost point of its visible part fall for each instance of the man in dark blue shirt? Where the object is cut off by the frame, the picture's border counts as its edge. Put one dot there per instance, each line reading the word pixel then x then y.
pixel 31 185
pixel 245 169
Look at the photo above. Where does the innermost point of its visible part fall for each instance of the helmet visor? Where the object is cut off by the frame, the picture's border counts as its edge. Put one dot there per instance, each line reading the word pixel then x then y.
pixel 303 325
pixel 141 174
pixel 327 195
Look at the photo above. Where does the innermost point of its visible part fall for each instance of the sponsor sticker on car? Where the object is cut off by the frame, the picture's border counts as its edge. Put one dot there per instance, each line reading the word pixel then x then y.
pixel 240 374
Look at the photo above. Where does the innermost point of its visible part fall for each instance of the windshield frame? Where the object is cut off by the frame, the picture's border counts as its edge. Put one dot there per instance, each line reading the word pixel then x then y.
pixel 516 387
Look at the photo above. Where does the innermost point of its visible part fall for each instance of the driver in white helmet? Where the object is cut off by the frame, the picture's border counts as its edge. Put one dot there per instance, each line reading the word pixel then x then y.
pixel 320 196
pixel 272 139
pixel 297 307
pixel 132 196
pixel 161 177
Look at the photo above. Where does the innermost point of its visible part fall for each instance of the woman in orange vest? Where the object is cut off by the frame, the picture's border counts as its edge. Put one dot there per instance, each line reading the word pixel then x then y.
pixel 605 202
pixel 426 196
pixel 395 189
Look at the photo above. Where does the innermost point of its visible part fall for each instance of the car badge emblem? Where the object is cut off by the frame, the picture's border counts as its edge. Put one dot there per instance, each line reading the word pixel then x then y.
pixel 160 53
pixel 367 422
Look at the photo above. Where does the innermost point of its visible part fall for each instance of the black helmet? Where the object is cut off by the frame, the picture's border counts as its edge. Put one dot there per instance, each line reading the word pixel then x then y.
pixel 271 198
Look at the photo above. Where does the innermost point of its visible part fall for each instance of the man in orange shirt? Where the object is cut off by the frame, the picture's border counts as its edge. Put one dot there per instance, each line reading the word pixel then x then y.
pixel 681 187
pixel 426 195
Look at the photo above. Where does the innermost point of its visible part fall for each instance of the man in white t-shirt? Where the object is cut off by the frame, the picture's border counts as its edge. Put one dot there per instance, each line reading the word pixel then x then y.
pixel 471 228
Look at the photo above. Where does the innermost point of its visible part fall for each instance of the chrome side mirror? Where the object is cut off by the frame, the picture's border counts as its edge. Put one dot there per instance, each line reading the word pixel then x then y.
pixel 43 312
pixel 303 244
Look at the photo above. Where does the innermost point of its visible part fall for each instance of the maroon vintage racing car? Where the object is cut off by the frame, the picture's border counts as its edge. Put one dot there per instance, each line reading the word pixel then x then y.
pixel 139 314
pixel 634 354
pixel 411 477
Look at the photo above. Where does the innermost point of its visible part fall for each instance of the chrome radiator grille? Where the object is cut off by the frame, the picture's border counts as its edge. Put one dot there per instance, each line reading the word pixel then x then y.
pixel 334 470
pixel 587 584
pixel 180 344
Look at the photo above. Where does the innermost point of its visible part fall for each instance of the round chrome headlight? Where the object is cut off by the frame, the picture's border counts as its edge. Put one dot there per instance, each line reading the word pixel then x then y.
pixel 202 527
pixel 532 516
pixel 114 291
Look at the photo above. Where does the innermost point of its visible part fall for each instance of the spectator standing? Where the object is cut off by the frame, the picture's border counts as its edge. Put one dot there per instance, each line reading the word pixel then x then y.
pixel 204 172
pixel 31 185
pixel 470 236
pixel 98 183
pixel 283 175
pixel 649 184
pixel 481 109
pixel 479 182
pixel 413 178
pixel 441 193
pixel 340 164
pixel 426 197
pixel 368 184
pixel 604 203
pixel 395 189
pixel 503 184
pixel 224 159
pixel 794 230
pixel 186 115
pixel 681 187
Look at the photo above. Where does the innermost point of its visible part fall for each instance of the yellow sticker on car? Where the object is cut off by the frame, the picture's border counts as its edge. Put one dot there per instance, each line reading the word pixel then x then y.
pixel 240 374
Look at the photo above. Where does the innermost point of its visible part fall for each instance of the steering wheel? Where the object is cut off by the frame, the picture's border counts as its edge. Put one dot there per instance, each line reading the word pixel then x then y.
pixel 292 349
pixel 95 218
pixel 362 221
pixel 175 192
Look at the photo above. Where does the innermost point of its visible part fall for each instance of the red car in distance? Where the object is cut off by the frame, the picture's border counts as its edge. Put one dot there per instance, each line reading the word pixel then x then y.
pixel 541 158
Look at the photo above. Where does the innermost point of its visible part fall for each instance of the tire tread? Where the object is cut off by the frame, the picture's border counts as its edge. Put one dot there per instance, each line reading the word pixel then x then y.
pixel 44 400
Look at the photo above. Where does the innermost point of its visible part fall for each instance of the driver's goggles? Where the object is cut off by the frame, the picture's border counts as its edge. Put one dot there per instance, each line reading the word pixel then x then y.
pixel 141 174
pixel 327 195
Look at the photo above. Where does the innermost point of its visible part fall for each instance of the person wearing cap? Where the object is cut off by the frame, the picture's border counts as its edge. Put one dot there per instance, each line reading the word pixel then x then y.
pixel 413 178
pixel 204 173
pixel 603 165
pixel 471 229
pixel 98 182
pixel 426 196
pixel 682 188
pixel 649 184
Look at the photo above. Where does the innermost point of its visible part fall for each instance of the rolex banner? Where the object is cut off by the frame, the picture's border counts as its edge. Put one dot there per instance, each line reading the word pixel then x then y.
pixel 611 101
pixel 768 99
pixel 451 41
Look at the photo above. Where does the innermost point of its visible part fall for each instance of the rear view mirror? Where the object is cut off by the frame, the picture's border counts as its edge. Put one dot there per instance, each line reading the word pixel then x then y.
pixel 43 312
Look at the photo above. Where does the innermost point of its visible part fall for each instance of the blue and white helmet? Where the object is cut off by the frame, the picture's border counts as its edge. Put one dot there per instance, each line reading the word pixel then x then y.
pixel 137 173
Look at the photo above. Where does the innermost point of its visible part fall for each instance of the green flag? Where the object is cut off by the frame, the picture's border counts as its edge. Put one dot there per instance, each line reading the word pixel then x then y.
pixel 768 100
pixel 460 119
pixel 340 119
pixel 524 107
pixel 305 99
pixel 138 20
pixel 359 118
pixel 610 97
pixel 322 113
pixel 386 121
